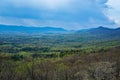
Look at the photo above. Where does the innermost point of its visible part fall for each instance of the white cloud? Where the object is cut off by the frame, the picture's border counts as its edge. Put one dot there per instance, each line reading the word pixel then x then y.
pixel 113 12
pixel 69 14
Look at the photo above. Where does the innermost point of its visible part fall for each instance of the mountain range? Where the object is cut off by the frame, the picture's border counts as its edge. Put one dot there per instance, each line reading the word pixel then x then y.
pixel 29 30
pixel 101 30
pixel 35 30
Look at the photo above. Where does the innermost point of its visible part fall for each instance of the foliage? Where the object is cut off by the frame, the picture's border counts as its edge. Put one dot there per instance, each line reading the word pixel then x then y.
pixel 59 57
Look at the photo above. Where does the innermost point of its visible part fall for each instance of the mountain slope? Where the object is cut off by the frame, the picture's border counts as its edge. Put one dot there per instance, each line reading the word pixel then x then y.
pixel 117 30
pixel 100 33
pixel 23 29
pixel 100 30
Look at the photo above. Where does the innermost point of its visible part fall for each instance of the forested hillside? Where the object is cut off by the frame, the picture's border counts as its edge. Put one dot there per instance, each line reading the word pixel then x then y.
pixel 91 54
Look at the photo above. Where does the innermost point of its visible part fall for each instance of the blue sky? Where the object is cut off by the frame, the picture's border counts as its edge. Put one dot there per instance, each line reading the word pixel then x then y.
pixel 68 14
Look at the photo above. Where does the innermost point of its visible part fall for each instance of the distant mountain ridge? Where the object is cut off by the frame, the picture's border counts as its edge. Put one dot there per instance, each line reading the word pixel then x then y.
pixel 100 30
pixel 23 29
pixel 100 33
pixel 9 29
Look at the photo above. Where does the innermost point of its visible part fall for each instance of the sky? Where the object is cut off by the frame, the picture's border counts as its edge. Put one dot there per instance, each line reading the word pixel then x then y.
pixel 68 14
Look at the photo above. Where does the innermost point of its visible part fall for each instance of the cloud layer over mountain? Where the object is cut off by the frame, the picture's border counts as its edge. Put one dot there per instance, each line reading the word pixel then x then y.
pixel 69 14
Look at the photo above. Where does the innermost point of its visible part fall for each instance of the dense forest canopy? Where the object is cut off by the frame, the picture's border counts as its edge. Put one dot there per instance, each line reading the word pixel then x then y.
pixel 91 54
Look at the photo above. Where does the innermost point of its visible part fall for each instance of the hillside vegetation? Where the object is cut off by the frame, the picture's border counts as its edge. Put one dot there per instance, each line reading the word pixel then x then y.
pixel 92 54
